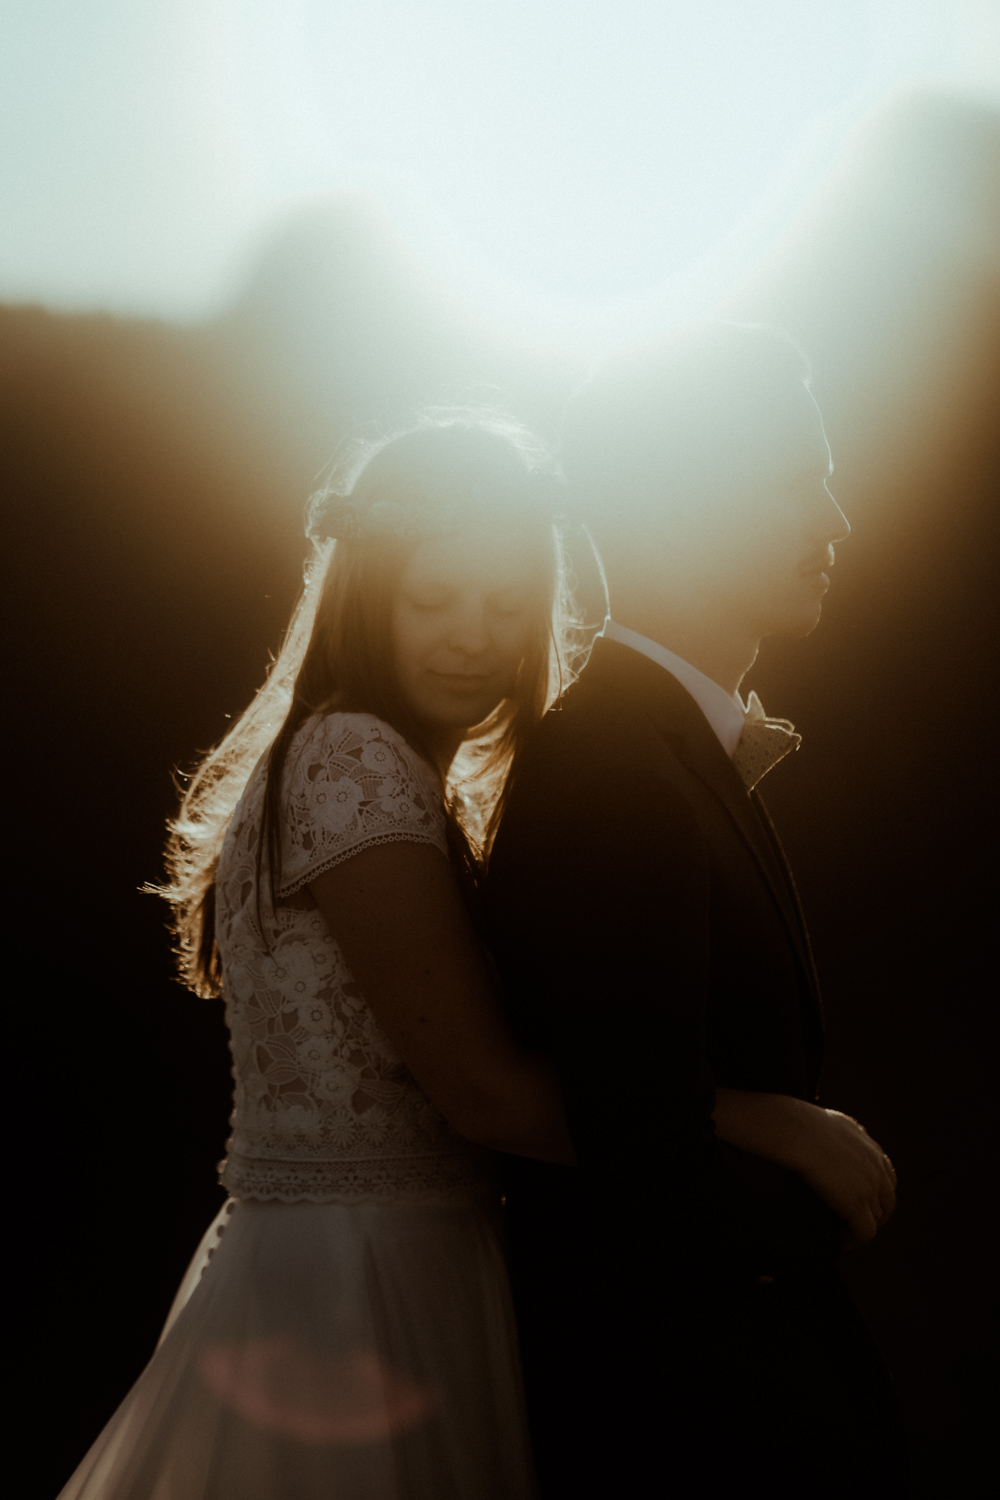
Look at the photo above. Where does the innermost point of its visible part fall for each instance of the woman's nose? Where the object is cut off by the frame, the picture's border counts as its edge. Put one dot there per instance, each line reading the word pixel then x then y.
pixel 470 632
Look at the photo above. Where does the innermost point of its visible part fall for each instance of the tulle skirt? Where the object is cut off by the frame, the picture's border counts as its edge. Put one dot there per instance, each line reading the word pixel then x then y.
pixel 322 1352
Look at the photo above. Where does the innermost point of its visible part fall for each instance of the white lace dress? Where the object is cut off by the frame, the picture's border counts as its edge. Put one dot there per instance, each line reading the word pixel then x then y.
pixel 344 1331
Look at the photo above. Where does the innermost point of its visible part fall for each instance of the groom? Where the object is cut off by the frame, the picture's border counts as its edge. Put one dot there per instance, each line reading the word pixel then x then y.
pixel 684 1332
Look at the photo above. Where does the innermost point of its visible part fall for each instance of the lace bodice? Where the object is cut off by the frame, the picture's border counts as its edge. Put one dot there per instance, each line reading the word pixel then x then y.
pixel 324 1109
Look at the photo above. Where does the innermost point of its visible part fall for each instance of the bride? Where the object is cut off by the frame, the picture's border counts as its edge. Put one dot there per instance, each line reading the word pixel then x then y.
pixel 345 1328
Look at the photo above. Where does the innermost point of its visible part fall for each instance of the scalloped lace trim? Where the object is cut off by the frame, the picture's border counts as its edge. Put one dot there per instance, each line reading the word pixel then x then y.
pixel 401 1179
pixel 403 836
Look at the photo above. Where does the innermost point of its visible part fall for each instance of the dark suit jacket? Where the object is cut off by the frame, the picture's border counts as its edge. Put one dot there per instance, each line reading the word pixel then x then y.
pixel 649 938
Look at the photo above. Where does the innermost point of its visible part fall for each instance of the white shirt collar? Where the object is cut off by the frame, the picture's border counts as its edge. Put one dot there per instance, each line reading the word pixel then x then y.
pixel 724 711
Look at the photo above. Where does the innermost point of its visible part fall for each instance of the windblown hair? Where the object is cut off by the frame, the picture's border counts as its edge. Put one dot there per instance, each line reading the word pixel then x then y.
pixel 337 656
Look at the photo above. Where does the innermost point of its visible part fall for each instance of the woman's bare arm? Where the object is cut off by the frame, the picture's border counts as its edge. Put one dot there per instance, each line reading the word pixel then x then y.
pixel 396 912
pixel 830 1150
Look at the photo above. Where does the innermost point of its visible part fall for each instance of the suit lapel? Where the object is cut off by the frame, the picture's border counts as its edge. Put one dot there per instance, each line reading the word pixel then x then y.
pixel 772 835
pixel 682 724
pixel 814 1018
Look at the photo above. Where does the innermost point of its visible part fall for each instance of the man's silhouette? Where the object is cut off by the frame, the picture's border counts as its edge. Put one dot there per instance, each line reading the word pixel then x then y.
pixel 684 1329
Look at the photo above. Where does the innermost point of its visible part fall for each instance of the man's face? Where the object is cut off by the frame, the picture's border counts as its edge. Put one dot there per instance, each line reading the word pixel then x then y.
pixel 761 545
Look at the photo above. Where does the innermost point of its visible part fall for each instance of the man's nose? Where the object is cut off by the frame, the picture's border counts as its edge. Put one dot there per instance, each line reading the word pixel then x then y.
pixel 838 527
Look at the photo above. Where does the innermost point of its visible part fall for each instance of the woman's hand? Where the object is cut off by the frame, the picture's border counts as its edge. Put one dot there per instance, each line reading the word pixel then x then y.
pixel 833 1153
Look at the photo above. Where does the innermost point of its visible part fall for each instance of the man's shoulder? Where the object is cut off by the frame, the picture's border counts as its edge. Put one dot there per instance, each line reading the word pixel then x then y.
pixel 598 795
pixel 595 731
pixel 597 757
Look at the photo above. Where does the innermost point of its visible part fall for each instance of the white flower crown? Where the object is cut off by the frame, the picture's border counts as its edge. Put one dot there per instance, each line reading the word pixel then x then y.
pixel 334 517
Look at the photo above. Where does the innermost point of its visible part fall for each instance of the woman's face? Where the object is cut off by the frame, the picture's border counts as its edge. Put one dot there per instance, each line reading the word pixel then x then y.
pixel 462 620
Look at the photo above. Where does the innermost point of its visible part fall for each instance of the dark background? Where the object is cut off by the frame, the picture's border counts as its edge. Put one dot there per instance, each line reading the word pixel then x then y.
pixel 153 479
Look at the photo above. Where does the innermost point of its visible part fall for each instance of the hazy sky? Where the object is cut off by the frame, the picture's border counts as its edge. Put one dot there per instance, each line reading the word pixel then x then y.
pixel 581 148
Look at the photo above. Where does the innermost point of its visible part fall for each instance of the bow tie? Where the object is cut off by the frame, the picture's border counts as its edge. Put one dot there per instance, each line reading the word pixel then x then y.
pixel 762 744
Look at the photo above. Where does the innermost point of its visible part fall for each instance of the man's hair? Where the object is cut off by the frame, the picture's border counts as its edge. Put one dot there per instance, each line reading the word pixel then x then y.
pixel 670 415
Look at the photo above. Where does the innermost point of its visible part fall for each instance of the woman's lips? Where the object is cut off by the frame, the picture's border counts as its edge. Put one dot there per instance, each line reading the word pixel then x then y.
pixel 464 682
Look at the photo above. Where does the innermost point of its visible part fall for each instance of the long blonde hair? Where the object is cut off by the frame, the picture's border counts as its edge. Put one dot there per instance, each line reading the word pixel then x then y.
pixel 337 655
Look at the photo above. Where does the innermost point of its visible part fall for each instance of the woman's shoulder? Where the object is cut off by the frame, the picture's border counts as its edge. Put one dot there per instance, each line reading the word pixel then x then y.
pixel 364 757
pixel 353 739
pixel 351 780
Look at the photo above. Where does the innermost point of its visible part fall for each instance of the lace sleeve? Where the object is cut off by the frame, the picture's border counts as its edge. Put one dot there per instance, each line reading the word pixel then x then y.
pixel 351 782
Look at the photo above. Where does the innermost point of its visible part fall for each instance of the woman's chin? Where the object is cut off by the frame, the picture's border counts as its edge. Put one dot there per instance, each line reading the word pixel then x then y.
pixel 458 710
pixel 469 720
pixel 455 718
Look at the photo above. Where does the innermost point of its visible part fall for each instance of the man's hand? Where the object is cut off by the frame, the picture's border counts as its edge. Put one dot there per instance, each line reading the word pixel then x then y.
pixel 831 1151
pixel 849 1171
